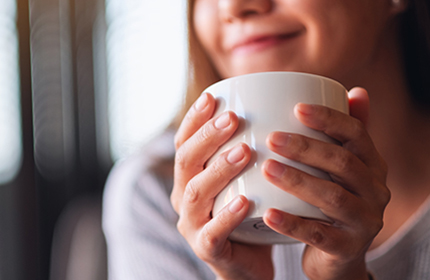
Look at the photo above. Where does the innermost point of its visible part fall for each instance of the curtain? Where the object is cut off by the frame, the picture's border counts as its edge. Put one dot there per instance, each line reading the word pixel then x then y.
pixel 146 58
pixel 10 120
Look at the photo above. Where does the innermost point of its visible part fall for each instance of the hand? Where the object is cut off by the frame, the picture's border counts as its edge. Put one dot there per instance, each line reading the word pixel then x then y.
pixel 195 188
pixel 355 200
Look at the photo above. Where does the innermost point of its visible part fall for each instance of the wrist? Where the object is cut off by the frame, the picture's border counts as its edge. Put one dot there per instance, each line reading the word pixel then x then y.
pixel 352 270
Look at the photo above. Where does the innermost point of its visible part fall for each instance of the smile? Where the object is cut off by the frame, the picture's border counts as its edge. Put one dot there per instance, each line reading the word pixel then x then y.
pixel 260 43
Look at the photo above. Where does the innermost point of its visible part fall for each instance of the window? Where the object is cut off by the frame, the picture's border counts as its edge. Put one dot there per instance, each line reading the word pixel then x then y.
pixel 10 121
pixel 146 58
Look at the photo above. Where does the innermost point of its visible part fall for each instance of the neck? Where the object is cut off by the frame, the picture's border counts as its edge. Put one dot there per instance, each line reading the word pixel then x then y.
pixel 399 130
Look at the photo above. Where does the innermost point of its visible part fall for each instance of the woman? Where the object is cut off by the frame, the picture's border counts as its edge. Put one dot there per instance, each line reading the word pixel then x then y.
pixel 382 46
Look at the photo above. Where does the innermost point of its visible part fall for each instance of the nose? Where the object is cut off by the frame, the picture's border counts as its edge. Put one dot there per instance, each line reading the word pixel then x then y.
pixel 231 10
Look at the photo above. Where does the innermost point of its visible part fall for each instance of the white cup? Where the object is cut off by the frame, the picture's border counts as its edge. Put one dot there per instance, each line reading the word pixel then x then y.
pixel 264 103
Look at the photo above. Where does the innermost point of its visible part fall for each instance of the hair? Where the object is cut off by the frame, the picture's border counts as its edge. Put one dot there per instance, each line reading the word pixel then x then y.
pixel 415 41
pixel 201 71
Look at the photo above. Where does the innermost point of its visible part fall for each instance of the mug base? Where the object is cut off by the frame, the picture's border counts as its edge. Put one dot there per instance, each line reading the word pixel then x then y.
pixel 255 231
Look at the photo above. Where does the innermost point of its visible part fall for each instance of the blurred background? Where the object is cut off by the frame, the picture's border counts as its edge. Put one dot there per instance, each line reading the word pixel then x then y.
pixel 83 84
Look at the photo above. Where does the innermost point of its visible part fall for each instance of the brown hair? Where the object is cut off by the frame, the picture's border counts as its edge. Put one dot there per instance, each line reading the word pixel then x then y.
pixel 201 71
pixel 415 36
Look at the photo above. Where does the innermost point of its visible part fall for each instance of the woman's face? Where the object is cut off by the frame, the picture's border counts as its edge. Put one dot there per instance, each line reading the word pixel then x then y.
pixel 335 38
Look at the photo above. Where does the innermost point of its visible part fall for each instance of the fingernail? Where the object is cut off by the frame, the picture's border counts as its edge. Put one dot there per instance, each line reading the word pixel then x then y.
pixel 235 205
pixel 202 102
pixel 236 155
pixel 223 121
pixel 306 109
pixel 275 169
pixel 274 217
pixel 280 139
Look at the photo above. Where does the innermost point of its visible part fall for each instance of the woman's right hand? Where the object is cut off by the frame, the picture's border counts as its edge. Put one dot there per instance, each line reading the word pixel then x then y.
pixel 196 186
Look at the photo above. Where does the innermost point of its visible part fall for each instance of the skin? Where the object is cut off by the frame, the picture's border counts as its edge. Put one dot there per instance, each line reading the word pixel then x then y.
pixel 332 37
pixel 352 41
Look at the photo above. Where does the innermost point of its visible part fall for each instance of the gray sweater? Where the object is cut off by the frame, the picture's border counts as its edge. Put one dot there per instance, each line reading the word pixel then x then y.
pixel 140 228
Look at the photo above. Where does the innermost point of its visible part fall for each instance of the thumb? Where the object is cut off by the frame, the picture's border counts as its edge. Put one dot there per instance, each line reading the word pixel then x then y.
pixel 359 104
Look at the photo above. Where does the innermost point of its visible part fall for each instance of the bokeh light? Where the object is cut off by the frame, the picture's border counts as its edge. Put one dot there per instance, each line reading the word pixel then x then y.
pixel 146 58
pixel 10 115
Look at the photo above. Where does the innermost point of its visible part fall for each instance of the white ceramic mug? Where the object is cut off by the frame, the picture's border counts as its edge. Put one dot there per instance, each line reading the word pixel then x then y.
pixel 264 103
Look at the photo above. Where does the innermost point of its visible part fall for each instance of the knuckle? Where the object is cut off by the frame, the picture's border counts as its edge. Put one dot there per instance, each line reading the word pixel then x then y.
pixel 338 198
pixel 384 195
pixel 292 229
pixel 316 236
pixel 217 169
pixel 181 159
pixel 359 129
pixel 206 248
pixel 222 219
pixel 301 146
pixel 329 156
pixel 209 240
pixel 190 119
pixel 343 161
pixel 295 178
pixel 204 133
pixel 381 193
pixel 180 225
pixel 192 193
pixel 188 122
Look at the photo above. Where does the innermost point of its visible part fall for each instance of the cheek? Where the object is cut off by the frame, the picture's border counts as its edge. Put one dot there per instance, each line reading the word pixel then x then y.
pixel 203 22
pixel 207 28
pixel 337 46
pixel 331 54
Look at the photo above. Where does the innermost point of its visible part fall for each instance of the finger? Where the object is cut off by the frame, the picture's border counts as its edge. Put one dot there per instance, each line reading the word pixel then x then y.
pixel 192 155
pixel 330 239
pixel 201 191
pixel 212 241
pixel 359 105
pixel 196 150
pixel 201 111
pixel 346 129
pixel 334 123
pixel 333 200
pixel 342 165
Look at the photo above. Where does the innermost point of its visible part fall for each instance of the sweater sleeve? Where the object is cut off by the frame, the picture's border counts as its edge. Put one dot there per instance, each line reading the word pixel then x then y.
pixel 140 228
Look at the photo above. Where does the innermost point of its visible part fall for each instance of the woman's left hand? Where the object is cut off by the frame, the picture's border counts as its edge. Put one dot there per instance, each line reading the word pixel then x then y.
pixel 355 200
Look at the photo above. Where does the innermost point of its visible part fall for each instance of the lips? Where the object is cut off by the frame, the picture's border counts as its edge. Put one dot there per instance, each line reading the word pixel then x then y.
pixel 257 43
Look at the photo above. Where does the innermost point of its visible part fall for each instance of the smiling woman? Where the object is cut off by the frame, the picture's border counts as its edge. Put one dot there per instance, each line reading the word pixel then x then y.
pixel 158 216
pixel 10 120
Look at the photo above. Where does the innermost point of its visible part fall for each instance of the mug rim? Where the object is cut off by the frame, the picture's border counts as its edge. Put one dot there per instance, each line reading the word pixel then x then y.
pixel 269 73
